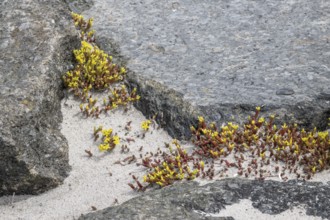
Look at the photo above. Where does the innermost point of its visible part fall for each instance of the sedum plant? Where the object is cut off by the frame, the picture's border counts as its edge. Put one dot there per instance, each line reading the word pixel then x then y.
pixel 108 140
pixel 264 142
pixel 95 70
pixel 174 166
pixel 251 149
pixel 145 125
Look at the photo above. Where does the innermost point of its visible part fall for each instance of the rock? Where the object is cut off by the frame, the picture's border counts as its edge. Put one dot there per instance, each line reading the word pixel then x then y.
pixel 221 59
pixel 186 200
pixel 36 45
pixel 284 91
pixel 78 6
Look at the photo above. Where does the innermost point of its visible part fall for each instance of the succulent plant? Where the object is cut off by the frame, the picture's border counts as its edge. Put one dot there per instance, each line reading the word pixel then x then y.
pixel 95 70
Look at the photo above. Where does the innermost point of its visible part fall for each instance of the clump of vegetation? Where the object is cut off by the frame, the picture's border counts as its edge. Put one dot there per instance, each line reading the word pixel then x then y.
pixel 257 149
pixel 95 70
pixel 262 143
pixel 120 97
pixel 251 149
pixel 174 166
pixel 145 125
pixel 108 140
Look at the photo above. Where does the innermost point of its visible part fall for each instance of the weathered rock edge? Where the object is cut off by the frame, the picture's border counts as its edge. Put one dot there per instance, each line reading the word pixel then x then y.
pixel 223 59
pixel 37 39
pixel 180 201
pixel 176 115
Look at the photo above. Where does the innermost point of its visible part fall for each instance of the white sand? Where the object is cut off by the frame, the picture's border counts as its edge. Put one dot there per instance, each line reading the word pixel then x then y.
pixel 90 183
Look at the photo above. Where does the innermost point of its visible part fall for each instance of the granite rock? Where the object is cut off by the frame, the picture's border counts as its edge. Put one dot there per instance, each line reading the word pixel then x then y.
pixel 37 38
pixel 190 201
pixel 223 58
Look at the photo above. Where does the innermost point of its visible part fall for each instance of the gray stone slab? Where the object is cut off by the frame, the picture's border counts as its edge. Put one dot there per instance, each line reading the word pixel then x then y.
pixel 222 58
pixel 36 42
pixel 181 201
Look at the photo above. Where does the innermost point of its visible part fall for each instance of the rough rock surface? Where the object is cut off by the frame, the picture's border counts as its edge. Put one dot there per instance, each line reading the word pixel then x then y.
pixel 222 58
pixel 182 200
pixel 36 42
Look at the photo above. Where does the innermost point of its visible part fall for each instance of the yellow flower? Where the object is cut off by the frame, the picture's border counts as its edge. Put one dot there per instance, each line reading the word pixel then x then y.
pixel 214 153
pixel 91 33
pixel 235 127
pixel 262 155
pixel 205 131
pixel 116 140
pixel 314 169
pixel 90 22
pixel 224 128
pixel 323 135
pixel 145 125
pixel 107 140
pixel 160 183
pixel 122 70
pixel 195 171
pixel 103 147
pixel 261 120
pixel 202 164
pixel 305 139
pixel 258 108
pixel 86 46
pixel 107 133
pixel 114 105
pixel 284 126
pixel 200 119
pixel 215 134
pixel 321 162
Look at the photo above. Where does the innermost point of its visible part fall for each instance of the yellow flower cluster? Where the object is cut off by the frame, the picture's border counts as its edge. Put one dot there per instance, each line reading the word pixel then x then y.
pixel 174 167
pixel 145 125
pixel 89 108
pixel 294 147
pixel 109 141
pixel 218 142
pixel 120 97
pixel 83 26
pixel 257 142
pixel 95 71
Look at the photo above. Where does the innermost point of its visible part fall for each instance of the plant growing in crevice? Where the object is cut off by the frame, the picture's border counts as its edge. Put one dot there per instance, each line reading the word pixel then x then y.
pixel 170 167
pixel 257 149
pixel 95 70
pixel 263 142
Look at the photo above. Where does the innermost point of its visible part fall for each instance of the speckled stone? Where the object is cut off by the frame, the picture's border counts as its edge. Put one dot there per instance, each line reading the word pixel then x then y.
pixel 36 42
pixel 222 58
pixel 181 201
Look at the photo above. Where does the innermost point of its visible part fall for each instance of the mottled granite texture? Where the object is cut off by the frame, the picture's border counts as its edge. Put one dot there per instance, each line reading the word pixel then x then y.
pixel 222 58
pixel 36 42
pixel 181 201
